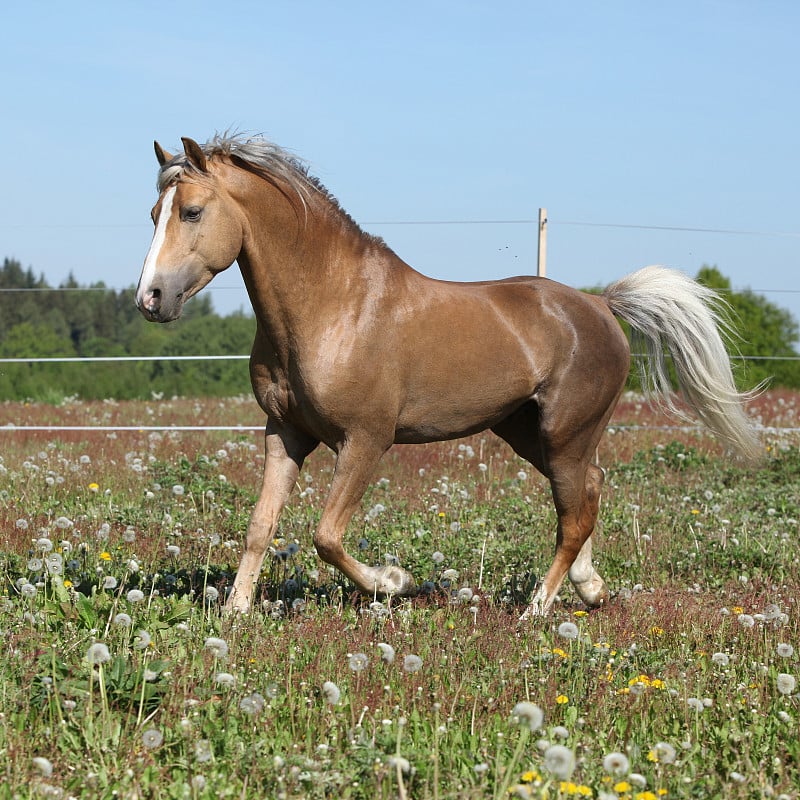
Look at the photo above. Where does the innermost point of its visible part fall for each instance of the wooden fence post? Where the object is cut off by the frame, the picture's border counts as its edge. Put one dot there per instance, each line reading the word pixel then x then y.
pixel 541 253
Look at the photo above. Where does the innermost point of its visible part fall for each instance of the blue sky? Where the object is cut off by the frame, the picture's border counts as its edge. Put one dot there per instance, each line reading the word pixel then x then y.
pixel 646 116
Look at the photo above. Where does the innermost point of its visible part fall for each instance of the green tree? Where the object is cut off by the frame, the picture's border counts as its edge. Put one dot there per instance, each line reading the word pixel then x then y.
pixel 765 331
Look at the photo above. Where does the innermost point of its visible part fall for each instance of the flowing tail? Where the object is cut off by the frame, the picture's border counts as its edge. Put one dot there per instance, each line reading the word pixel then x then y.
pixel 668 310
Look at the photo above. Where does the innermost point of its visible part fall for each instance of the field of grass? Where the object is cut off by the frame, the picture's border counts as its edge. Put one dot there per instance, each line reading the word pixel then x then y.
pixel 123 678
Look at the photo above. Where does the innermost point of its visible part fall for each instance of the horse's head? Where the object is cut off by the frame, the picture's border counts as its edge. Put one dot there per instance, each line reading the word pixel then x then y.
pixel 198 233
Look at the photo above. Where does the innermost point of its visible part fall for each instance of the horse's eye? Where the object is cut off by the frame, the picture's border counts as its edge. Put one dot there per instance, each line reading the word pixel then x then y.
pixel 192 214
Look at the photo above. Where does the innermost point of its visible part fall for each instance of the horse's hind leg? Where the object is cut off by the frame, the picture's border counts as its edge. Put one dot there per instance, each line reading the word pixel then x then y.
pixel 564 456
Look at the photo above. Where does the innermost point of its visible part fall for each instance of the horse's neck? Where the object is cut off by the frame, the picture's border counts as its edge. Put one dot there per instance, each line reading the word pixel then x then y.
pixel 306 272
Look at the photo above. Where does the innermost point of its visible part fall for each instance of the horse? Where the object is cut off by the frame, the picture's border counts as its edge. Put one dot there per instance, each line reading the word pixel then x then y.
pixel 357 350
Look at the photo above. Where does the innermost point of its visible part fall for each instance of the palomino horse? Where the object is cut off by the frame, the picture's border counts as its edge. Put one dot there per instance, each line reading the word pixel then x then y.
pixel 356 349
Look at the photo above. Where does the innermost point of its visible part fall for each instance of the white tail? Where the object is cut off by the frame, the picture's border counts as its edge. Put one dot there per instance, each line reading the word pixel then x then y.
pixel 667 309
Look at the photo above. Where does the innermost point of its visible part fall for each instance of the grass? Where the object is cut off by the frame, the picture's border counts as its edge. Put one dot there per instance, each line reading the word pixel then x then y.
pixel 122 678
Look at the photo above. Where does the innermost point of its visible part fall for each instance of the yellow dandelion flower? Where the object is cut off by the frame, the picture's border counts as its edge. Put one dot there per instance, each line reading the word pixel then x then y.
pixel 695 511
pixel 442 514
pixel 657 683
pixel 557 651
pixel 562 699
pixel 622 786
pixel 652 756
pixel 737 610
pixel 661 792
pixel 94 487
pixel 68 584
pixel 105 556
pixel 656 631
pixel 530 776
pixel 581 614
pixel 571 788
pixel 645 796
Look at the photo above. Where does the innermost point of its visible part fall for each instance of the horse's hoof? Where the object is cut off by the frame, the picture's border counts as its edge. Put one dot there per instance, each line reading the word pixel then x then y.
pixel 394 582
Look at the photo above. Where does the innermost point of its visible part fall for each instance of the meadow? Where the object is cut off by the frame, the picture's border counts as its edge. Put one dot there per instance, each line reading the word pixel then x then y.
pixel 123 678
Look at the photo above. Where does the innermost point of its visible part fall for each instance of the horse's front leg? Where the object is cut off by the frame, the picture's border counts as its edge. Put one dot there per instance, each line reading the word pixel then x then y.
pixel 285 450
pixel 355 465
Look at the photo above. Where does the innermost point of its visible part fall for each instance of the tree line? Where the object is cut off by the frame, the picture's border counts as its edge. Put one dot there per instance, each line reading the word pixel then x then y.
pixel 39 320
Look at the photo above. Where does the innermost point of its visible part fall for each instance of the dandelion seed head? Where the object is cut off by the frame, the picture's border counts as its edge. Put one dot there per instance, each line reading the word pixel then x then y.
pixel 616 764
pixel 203 751
pixel 357 662
pixel 784 650
pixel 43 766
pixel 559 761
pixel 152 738
pixel 412 663
pixel 387 652
pixel 135 596
pixel 331 693
pixel 225 679
pixel 252 704
pixel 122 620
pixel 527 715
pixel 786 683
pixel 568 630
pixel 216 646
pixel 665 752
pixel 721 659
pixel 98 653
pixel 142 640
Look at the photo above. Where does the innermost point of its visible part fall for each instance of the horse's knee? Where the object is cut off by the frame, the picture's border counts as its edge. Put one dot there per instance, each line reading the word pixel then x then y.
pixel 328 546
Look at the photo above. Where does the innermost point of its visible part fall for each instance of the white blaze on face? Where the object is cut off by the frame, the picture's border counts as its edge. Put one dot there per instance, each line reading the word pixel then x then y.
pixel 151 261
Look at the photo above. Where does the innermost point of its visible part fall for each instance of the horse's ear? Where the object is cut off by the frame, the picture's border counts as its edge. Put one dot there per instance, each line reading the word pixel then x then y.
pixel 194 153
pixel 161 154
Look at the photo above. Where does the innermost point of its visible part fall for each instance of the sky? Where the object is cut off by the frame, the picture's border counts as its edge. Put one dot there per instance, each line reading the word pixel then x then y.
pixel 652 132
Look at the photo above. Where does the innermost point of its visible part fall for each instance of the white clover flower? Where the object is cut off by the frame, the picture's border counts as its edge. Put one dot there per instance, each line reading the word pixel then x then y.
pixel 786 683
pixel 98 653
pixel 387 652
pixel 217 646
pixel 559 761
pixel 331 693
pixel 568 630
pixel 527 715
pixel 357 662
pixel 152 738
pixel 412 663
pixel 616 764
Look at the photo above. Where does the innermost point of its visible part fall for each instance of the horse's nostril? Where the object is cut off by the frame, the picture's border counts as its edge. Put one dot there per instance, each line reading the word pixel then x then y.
pixel 155 294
